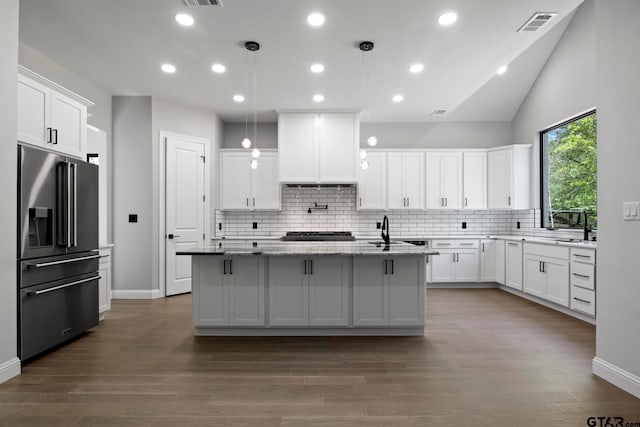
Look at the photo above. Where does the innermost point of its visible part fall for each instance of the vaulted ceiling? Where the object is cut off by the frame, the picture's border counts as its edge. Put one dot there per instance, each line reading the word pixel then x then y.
pixel 120 46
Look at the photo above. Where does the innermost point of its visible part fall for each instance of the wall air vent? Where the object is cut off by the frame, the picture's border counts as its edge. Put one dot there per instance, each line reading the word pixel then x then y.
pixel 536 21
pixel 438 112
pixel 196 3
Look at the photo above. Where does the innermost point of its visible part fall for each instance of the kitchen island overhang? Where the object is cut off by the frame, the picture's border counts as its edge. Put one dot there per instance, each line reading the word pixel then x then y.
pixel 245 288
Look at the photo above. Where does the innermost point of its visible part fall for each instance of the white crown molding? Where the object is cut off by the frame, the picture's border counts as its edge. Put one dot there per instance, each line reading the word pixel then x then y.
pixel 53 85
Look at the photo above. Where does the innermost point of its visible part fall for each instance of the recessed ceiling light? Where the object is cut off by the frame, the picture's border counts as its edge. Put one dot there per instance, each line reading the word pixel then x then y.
pixel 317 68
pixel 218 68
pixel 184 19
pixel 315 19
pixel 502 70
pixel 238 98
pixel 416 68
pixel 168 68
pixel 318 98
pixel 398 98
pixel 447 18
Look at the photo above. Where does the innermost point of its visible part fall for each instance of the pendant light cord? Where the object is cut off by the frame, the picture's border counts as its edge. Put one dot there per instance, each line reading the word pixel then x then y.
pixel 246 90
pixel 255 100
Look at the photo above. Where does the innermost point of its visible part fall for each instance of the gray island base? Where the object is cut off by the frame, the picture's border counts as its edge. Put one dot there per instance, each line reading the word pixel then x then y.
pixel 308 289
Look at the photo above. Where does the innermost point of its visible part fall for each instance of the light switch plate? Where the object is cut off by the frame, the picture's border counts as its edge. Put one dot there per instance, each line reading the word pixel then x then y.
pixel 631 211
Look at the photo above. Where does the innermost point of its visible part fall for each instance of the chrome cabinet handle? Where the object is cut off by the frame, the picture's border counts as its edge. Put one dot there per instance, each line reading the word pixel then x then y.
pixel 446 201
pixel 247 202
pixel 55 136
pixel 310 266
pixel 580 275
pixel 230 266
pixel 305 266
pixel 49 133
pixel 483 247
pixel 582 300
pixel 509 200
pixel 224 266
pixel 254 202
pixel 360 201
pixel 582 256
pixel 466 202
pixel 385 267
pixel 66 285
pixel 408 201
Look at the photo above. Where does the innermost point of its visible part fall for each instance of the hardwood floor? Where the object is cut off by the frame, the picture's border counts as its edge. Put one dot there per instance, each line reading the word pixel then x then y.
pixel 488 358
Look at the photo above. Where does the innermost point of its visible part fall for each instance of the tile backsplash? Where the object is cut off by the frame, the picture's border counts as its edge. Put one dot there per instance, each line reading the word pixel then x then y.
pixel 341 215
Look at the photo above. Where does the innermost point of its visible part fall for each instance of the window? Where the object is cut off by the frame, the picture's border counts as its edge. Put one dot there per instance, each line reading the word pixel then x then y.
pixel 568 173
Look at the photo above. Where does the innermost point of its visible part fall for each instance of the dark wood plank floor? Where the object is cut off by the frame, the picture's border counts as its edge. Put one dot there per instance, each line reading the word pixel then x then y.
pixel 488 358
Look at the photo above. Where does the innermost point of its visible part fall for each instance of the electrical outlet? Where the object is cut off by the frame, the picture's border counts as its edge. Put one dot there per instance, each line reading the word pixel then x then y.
pixel 255 225
pixel 378 225
pixel 464 225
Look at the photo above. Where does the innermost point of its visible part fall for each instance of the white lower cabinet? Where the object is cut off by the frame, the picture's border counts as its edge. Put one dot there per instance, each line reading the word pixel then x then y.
pixel 388 291
pixel 488 260
pixel 513 265
pixel 500 261
pixel 229 291
pixel 547 276
pixel 457 262
pixel 583 281
pixel 104 284
pixel 309 291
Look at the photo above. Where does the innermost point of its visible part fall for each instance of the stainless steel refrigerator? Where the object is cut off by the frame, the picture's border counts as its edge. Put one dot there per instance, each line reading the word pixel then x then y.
pixel 57 249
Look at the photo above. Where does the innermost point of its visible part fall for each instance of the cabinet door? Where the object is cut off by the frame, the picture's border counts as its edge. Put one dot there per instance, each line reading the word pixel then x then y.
pixel 452 180
pixel 245 277
pixel 297 148
pixel 466 265
pixel 442 266
pixel 488 262
pixel 372 183
pixel 69 121
pixel 557 273
pixel 370 292
pixel 433 173
pixel 234 181
pixel 34 107
pixel 329 290
pixel 266 183
pixel 500 267
pixel 406 291
pixel 209 292
pixel 475 180
pixel 337 147
pixel 535 281
pixel 500 179
pixel 288 291
pixel 513 265
pixel 395 179
pixel 414 180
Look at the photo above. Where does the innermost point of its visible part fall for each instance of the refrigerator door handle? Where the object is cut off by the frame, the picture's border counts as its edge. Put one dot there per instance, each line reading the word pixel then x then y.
pixel 68 185
pixel 55 288
pixel 74 168
pixel 63 205
pixel 64 261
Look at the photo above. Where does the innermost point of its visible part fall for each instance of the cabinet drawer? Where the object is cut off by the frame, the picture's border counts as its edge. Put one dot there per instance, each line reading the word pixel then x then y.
pixel 455 244
pixel 583 255
pixel 583 275
pixel 583 300
pixel 546 250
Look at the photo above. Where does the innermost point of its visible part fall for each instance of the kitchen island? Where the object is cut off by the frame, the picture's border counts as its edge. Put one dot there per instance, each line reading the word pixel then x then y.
pixel 308 288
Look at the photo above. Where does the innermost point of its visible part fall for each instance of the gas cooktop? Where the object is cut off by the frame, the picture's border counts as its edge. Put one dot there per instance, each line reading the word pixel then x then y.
pixel 310 236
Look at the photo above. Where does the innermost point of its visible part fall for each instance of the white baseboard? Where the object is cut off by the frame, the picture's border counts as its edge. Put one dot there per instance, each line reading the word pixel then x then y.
pixel 9 369
pixel 462 285
pixel 617 376
pixel 136 294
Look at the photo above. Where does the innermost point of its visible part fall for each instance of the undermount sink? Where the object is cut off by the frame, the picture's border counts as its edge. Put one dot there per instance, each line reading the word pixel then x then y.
pixel 569 240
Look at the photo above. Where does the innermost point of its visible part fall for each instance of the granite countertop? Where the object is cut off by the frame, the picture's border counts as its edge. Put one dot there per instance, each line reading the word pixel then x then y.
pixel 275 248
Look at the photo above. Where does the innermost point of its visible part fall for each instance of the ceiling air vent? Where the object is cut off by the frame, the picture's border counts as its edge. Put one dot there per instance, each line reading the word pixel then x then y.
pixel 536 21
pixel 438 112
pixel 195 3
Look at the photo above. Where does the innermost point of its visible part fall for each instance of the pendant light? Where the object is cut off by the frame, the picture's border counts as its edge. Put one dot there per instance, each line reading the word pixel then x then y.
pixel 254 47
pixel 372 141
pixel 246 142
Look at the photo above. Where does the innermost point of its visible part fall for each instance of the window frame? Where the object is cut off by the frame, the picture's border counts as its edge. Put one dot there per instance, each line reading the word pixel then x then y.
pixel 542 159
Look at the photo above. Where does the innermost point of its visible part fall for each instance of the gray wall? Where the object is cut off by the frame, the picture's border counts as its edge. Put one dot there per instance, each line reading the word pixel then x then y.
pixel 564 88
pixel 234 133
pixel 132 191
pixel 8 176
pixel 618 95
pixel 100 112
pixel 169 116
pixel 437 135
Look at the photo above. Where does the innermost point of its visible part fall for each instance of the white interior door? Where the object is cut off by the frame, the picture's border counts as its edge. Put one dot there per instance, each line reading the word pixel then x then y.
pixel 185 208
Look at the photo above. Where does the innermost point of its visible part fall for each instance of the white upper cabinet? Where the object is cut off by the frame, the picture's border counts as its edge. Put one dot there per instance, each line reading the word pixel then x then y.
pixel 50 116
pixel 318 148
pixel 509 179
pixel 405 178
pixel 243 188
pixel 474 180
pixel 444 180
pixel 372 183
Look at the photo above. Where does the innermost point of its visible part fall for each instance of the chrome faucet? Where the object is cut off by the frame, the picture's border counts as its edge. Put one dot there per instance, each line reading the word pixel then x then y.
pixel 587 229
pixel 385 230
